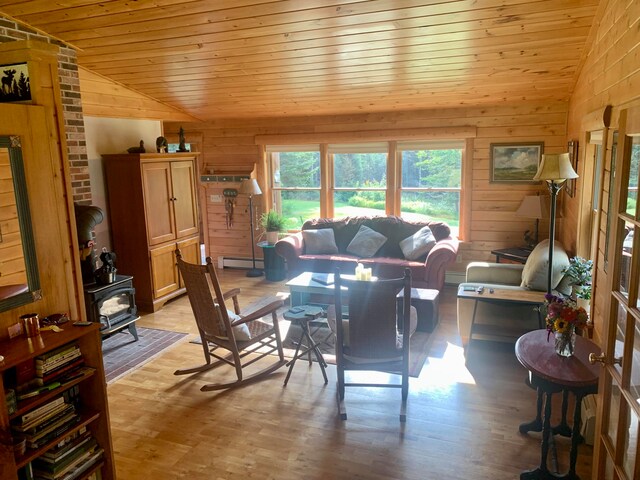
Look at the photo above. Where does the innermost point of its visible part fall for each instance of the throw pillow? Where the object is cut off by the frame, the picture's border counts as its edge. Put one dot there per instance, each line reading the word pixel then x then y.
pixel 319 241
pixel 240 332
pixel 535 271
pixel 418 245
pixel 366 242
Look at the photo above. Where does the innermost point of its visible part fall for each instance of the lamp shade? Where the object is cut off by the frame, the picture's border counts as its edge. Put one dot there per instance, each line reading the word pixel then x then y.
pixel 249 186
pixel 534 206
pixel 555 168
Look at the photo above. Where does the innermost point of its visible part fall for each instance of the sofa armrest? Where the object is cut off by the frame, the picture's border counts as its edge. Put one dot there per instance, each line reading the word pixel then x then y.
pixel 494 273
pixel 290 248
pixel 442 255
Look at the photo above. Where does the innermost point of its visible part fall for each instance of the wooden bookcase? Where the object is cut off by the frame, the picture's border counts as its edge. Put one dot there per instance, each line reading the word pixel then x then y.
pixel 153 209
pixel 93 410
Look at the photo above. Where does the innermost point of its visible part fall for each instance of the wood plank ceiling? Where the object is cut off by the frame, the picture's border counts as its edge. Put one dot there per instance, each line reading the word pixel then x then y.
pixel 264 58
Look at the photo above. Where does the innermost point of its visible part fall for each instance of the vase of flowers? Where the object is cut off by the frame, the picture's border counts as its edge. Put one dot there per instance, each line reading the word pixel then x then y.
pixel 563 317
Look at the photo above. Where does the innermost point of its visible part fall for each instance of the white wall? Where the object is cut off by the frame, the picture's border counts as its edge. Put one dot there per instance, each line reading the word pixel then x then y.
pixel 113 135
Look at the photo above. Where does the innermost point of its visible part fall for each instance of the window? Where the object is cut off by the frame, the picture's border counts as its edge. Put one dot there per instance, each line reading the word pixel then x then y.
pixel 359 179
pixel 295 176
pixel 431 182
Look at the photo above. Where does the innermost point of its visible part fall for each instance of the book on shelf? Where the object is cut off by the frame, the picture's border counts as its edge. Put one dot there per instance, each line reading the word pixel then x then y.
pixel 41 420
pixel 73 468
pixel 59 372
pixel 40 411
pixel 42 368
pixel 62 466
pixel 51 418
pixel 51 355
pixel 53 430
pixel 65 447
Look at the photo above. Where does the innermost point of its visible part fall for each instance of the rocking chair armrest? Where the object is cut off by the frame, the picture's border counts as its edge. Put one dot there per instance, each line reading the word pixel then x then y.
pixel 261 312
pixel 234 292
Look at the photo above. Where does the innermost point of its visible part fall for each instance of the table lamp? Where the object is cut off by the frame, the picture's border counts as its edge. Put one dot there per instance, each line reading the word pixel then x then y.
pixel 533 206
pixel 250 187
pixel 555 169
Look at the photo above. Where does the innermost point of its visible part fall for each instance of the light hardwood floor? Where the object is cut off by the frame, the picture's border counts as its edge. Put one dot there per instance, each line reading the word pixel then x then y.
pixel 462 420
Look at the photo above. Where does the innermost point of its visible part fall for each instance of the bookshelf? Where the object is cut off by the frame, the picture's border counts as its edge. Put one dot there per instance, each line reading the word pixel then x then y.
pixel 91 390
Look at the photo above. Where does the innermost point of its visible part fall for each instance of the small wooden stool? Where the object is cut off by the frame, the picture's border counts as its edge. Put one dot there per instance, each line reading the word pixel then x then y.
pixel 425 300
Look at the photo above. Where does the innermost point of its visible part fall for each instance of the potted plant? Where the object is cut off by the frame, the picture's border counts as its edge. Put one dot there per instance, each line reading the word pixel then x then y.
pixel 273 222
pixel 579 273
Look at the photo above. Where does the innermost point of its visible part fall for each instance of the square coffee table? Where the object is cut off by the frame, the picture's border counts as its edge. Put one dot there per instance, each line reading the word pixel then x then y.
pixel 304 285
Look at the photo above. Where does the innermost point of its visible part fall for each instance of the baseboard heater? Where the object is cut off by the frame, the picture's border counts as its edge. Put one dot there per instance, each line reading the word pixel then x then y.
pixel 238 262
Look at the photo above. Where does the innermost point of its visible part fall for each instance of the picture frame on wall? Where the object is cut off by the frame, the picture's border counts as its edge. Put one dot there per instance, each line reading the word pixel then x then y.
pixel 570 186
pixel 14 83
pixel 514 162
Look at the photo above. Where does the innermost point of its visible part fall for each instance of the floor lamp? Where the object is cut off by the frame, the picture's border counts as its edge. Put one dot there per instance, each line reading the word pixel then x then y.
pixel 250 187
pixel 555 169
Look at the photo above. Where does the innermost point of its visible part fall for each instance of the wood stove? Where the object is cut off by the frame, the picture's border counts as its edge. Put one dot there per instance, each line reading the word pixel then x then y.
pixel 112 305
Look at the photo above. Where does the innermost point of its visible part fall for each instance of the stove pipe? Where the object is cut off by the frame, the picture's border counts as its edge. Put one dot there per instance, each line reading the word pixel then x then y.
pixel 87 217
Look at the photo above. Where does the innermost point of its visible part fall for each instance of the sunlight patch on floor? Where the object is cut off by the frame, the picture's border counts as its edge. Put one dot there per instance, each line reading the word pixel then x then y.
pixel 446 370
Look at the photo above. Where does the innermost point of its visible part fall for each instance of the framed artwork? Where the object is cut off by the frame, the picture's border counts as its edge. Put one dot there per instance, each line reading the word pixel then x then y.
pixel 570 186
pixel 514 162
pixel 14 83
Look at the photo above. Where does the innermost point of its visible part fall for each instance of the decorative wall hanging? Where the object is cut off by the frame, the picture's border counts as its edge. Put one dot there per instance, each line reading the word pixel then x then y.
pixel 15 83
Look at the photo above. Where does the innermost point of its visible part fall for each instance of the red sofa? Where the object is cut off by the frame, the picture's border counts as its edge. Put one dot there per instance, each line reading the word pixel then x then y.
pixel 388 262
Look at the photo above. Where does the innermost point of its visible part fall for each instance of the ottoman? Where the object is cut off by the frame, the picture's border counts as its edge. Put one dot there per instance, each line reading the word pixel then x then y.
pixel 425 300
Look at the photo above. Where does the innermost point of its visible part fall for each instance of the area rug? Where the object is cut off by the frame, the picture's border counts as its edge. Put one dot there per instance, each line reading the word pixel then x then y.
pixel 122 354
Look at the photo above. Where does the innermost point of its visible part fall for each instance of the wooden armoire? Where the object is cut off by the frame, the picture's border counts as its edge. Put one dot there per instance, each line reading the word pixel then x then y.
pixel 153 209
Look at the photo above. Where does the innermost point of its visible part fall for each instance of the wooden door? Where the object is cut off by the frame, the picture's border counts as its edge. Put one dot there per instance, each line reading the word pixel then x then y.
pixel 617 446
pixel 164 271
pixel 190 251
pixel 158 204
pixel 185 199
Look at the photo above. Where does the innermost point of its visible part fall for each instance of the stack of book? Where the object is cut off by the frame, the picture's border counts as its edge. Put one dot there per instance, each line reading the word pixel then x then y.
pixel 58 364
pixel 41 425
pixel 69 459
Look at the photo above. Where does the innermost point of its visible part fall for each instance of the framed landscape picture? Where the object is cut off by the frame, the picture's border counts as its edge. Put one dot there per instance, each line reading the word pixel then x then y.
pixel 514 162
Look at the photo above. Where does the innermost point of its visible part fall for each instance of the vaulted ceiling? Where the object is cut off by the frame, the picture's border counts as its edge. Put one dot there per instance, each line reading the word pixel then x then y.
pixel 263 58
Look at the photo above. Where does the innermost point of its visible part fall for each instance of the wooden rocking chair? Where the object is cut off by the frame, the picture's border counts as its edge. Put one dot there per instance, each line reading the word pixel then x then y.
pixel 241 335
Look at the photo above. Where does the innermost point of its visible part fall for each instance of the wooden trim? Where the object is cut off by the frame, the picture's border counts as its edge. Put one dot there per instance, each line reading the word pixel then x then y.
pixel 326 183
pixel 378 135
pixel 597 120
pixel 466 190
pixel 394 166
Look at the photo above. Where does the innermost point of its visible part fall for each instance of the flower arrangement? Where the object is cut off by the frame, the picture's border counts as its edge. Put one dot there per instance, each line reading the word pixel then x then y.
pixel 579 273
pixel 562 318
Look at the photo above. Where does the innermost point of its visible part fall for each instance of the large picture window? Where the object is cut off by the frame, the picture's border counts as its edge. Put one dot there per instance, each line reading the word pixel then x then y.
pixel 295 174
pixel 427 185
pixel 431 182
pixel 359 179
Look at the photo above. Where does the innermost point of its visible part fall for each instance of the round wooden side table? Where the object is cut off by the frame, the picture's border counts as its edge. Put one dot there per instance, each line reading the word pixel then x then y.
pixel 551 373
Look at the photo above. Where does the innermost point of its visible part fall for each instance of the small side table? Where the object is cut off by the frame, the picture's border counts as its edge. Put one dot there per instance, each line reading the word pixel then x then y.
pixel 274 269
pixel 550 373
pixel 306 315
pixel 511 255
pixel 425 300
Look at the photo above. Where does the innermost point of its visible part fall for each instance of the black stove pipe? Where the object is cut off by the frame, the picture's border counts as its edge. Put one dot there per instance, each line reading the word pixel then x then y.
pixel 87 217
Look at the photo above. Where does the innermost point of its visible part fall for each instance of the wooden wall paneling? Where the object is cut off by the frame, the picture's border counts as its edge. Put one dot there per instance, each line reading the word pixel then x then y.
pixel 103 97
pixel 59 270
pixel 513 122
